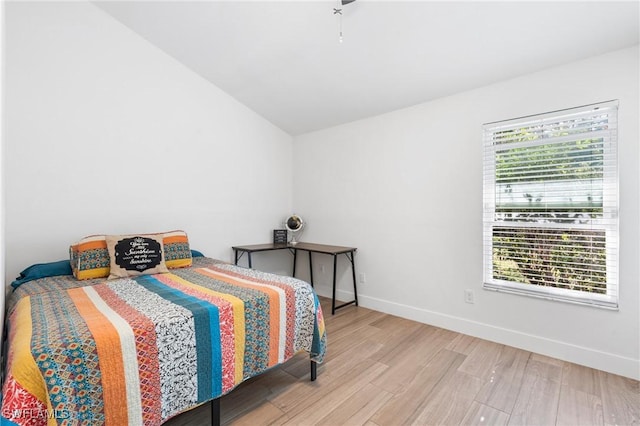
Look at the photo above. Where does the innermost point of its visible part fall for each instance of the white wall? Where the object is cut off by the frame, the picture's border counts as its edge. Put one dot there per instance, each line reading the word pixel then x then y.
pixel 406 189
pixel 2 122
pixel 107 134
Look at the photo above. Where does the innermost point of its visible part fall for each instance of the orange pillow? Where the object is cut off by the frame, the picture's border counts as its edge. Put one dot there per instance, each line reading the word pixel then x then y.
pixel 90 258
pixel 177 253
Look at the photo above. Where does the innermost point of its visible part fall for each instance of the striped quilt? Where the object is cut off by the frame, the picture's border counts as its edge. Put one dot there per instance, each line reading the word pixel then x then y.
pixel 141 350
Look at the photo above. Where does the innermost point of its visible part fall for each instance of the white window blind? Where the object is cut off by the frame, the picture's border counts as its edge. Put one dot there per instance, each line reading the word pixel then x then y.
pixel 551 205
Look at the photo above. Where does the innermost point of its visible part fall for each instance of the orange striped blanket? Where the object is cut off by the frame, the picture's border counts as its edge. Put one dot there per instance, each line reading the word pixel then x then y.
pixel 141 350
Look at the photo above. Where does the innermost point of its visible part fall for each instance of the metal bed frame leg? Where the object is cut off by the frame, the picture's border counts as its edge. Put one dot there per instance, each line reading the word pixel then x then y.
pixel 215 404
pixel 215 412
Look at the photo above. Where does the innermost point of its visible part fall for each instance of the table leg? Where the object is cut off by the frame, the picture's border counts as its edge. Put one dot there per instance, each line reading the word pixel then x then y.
pixel 351 257
pixel 333 298
pixel 353 272
pixel 310 270
pixel 295 256
pixel 236 254
pixel 249 256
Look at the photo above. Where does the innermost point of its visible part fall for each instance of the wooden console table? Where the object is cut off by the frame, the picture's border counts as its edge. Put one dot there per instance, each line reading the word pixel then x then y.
pixel 334 251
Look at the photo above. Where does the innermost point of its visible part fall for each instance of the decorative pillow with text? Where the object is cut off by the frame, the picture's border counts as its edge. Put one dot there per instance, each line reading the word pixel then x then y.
pixel 89 257
pixel 133 255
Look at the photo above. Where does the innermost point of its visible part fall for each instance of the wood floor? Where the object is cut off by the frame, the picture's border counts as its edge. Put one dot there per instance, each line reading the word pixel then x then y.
pixel 384 370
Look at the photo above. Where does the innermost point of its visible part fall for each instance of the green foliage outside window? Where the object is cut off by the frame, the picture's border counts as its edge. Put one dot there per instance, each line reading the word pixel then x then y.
pixel 553 255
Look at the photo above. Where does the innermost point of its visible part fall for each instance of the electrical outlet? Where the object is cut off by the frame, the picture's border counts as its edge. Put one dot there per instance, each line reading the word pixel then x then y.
pixel 468 296
pixel 363 278
pixel 322 269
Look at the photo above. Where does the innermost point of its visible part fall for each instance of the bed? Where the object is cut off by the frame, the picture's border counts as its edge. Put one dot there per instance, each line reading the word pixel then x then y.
pixel 143 349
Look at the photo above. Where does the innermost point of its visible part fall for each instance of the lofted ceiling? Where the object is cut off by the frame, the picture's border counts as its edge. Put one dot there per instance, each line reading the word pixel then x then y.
pixel 284 59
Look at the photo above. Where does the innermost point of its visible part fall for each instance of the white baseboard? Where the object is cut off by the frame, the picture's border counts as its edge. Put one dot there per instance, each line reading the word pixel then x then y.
pixel 588 357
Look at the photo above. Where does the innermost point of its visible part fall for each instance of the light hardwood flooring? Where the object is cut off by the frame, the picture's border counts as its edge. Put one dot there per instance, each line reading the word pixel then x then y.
pixel 384 370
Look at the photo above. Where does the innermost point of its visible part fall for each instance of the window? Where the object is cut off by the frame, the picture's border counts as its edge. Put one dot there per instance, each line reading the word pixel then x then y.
pixel 551 205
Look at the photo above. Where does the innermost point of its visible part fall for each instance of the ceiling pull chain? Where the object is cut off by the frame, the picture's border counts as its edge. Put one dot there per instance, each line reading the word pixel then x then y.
pixel 338 11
